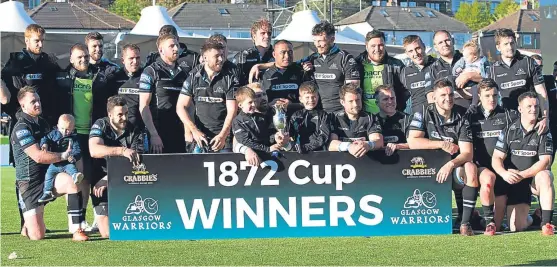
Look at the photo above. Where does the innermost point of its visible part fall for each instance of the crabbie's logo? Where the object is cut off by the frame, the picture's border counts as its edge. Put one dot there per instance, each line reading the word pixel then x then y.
pixel 419 208
pixel 140 175
pixel 418 169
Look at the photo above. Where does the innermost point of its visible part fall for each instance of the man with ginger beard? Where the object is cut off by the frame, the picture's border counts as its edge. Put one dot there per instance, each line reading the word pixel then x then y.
pixel 83 94
pixel 281 81
pixel 160 85
pixel 378 68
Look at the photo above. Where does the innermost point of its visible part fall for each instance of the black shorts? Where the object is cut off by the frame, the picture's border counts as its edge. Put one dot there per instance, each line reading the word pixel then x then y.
pixel 83 140
pixel 100 204
pixel 30 191
pixel 520 193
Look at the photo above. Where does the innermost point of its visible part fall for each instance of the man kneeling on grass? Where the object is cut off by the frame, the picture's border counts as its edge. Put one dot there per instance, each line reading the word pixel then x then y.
pixel 112 136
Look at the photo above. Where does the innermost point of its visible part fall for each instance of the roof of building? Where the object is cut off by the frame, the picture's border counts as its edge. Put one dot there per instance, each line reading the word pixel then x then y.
pixel 520 21
pixel 193 15
pixel 78 15
pixel 405 19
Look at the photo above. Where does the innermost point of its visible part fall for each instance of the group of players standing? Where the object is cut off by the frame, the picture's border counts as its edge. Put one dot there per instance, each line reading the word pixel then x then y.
pixel 182 101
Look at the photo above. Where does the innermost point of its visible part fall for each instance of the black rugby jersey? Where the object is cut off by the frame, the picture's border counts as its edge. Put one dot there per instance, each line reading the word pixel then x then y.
pixel 523 148
pixel 486 129
pixel 521 76
pixel 358 130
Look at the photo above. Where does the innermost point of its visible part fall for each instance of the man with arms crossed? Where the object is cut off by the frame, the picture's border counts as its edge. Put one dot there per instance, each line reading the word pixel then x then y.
pixel 522 157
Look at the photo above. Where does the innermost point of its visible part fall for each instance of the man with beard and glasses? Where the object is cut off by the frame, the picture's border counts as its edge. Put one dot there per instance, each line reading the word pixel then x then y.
pixel 31 168
pixel 282 80
pixel 416 77
pixel 261 52
pixel 443 125
pixel 128 80
pixel 112 136
pixel 82 93
pixel 210 86
pixel 443 42
pixel 487 121
pixel 190 58
pixel 394 123
pixel 515 74
pixel 522 157
pixel 159 88
pixel 378 68
pixel 353 130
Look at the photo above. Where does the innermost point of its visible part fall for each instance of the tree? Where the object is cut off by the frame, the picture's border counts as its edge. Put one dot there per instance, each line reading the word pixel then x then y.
pixel 475 15
pixel 505 8
pixel 130 9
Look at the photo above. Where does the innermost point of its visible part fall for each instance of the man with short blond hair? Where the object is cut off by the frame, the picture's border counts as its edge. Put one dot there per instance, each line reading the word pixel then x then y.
pixel 261 51
pixel 416 77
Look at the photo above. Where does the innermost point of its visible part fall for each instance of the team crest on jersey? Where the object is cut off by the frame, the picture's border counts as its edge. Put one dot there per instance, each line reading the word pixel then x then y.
pixel 333 67
pixel 520 71
pixel 498 121
pixel 533 142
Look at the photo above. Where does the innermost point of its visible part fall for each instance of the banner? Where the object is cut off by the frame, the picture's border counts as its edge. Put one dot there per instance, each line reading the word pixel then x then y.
pixel 217 196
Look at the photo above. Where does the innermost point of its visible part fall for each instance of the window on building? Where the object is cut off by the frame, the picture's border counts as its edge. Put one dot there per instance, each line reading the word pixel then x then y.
pixel 493 5
pixel 384 13
pixel 243 35
pixel 403 4
pixel 224 12
pixel 411 4
pixel 383 3
pixel 527 39
pixel 533 17
pixel 418 15
pixel 430 14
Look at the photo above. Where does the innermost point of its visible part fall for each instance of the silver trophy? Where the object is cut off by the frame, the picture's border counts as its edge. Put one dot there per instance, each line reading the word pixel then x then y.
pixel 281 122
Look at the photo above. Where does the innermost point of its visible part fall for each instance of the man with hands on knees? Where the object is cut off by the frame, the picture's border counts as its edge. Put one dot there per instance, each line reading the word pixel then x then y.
pixel 354 130
pixel 112 136
pixel 443 125
pixel 522 157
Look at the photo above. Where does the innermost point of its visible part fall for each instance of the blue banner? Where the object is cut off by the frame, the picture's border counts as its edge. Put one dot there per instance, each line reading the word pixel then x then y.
pixel 218 196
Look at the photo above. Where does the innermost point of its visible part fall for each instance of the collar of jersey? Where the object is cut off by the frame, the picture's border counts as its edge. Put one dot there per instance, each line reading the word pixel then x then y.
pixel 259 54
pixel 440 118
pixel 524 132
pixel 482 110
pixel 456 56
pixel 516 57
pixel 332 51
pixel 203 74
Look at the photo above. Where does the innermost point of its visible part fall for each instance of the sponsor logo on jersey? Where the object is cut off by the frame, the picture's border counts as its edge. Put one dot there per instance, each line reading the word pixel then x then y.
pixel 390 139
pixel 417 85
pixel 34 76
pixel 489 134
pixel 209 99
pixel 173 88
pixel 23 133
pixel 524 153
pixel 501 75
pixel 325 76
pixel 284 86
pixel 128 91
pixel 513 84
